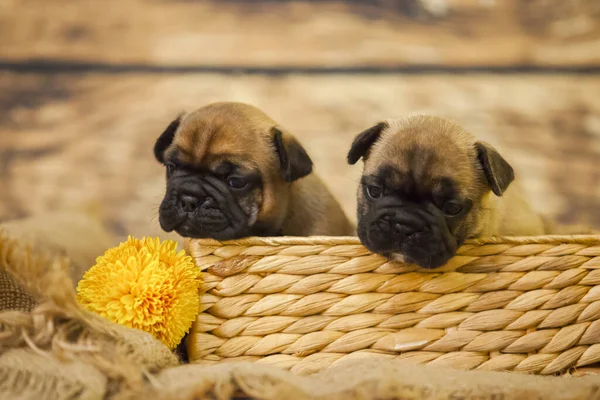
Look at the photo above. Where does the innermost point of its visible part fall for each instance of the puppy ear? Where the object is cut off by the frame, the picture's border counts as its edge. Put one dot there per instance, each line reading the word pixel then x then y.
pixel 295 163
pixel 363 142
pixel 165 140
pixel 498 172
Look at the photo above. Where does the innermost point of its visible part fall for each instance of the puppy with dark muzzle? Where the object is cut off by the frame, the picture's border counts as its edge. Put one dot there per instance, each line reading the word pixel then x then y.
pixel 428 185
pixel 233 172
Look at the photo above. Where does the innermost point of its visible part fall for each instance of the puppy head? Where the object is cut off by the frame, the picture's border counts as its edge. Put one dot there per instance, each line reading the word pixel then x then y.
pixel 424 188
pixel 229 170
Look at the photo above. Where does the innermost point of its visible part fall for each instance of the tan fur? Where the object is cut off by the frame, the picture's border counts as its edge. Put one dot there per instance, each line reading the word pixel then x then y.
pixel 314 209
pixel 450 152
pixel 240 132
pixel 510 215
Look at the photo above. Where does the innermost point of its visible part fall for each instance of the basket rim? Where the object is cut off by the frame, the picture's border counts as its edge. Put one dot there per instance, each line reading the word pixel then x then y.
pixel 353 240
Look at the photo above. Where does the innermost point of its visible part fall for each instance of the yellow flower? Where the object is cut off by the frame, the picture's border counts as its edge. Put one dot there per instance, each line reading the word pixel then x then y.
pixel 147 285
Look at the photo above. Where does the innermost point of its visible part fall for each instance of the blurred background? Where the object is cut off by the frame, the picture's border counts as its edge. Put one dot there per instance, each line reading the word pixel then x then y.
pixel 87 86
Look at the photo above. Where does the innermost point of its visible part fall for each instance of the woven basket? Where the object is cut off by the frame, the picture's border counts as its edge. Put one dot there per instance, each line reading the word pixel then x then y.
pixel 528 304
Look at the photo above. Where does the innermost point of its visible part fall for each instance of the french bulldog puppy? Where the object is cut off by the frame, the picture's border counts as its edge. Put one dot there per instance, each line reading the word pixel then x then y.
pixel 234 172
pixel 428 185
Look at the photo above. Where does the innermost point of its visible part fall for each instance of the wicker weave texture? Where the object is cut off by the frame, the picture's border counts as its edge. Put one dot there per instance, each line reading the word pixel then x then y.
pixel 527 304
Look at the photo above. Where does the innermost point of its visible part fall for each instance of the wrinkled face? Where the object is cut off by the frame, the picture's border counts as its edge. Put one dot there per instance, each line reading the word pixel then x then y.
pixel 422 221
pixel 229 170
pixel 422 189
pixel 220 200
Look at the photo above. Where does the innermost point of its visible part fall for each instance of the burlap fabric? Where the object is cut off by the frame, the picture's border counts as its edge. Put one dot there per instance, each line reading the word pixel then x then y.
pixel 27 374
pixel 368 379
pixel 80 236
pixel 80 239
pixel 56 350
pixel 12 295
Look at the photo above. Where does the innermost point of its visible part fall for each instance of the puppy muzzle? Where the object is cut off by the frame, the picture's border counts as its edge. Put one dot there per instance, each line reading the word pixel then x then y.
pixel 419 235
pixel 202 208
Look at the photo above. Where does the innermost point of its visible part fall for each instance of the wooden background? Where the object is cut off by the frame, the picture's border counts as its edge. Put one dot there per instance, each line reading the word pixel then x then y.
pixel 87 86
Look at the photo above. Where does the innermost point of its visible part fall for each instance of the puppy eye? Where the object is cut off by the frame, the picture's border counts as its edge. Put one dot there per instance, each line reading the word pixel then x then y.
pixel 374 192
pixel 170 168
pixel 451 208
pixel 235 182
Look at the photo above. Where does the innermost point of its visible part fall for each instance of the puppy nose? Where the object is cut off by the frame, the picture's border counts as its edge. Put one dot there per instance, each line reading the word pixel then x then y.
pixel 209 202
pixel 402 230
pixel 403 224
pixel 188 203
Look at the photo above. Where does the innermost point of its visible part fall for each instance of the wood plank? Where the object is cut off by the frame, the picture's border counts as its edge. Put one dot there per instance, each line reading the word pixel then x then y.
pixel 386 33
pixel 67 139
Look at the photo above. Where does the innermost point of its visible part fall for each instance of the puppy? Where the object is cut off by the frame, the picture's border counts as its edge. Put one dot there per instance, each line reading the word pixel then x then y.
pixel 234 172
pixel 428 185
